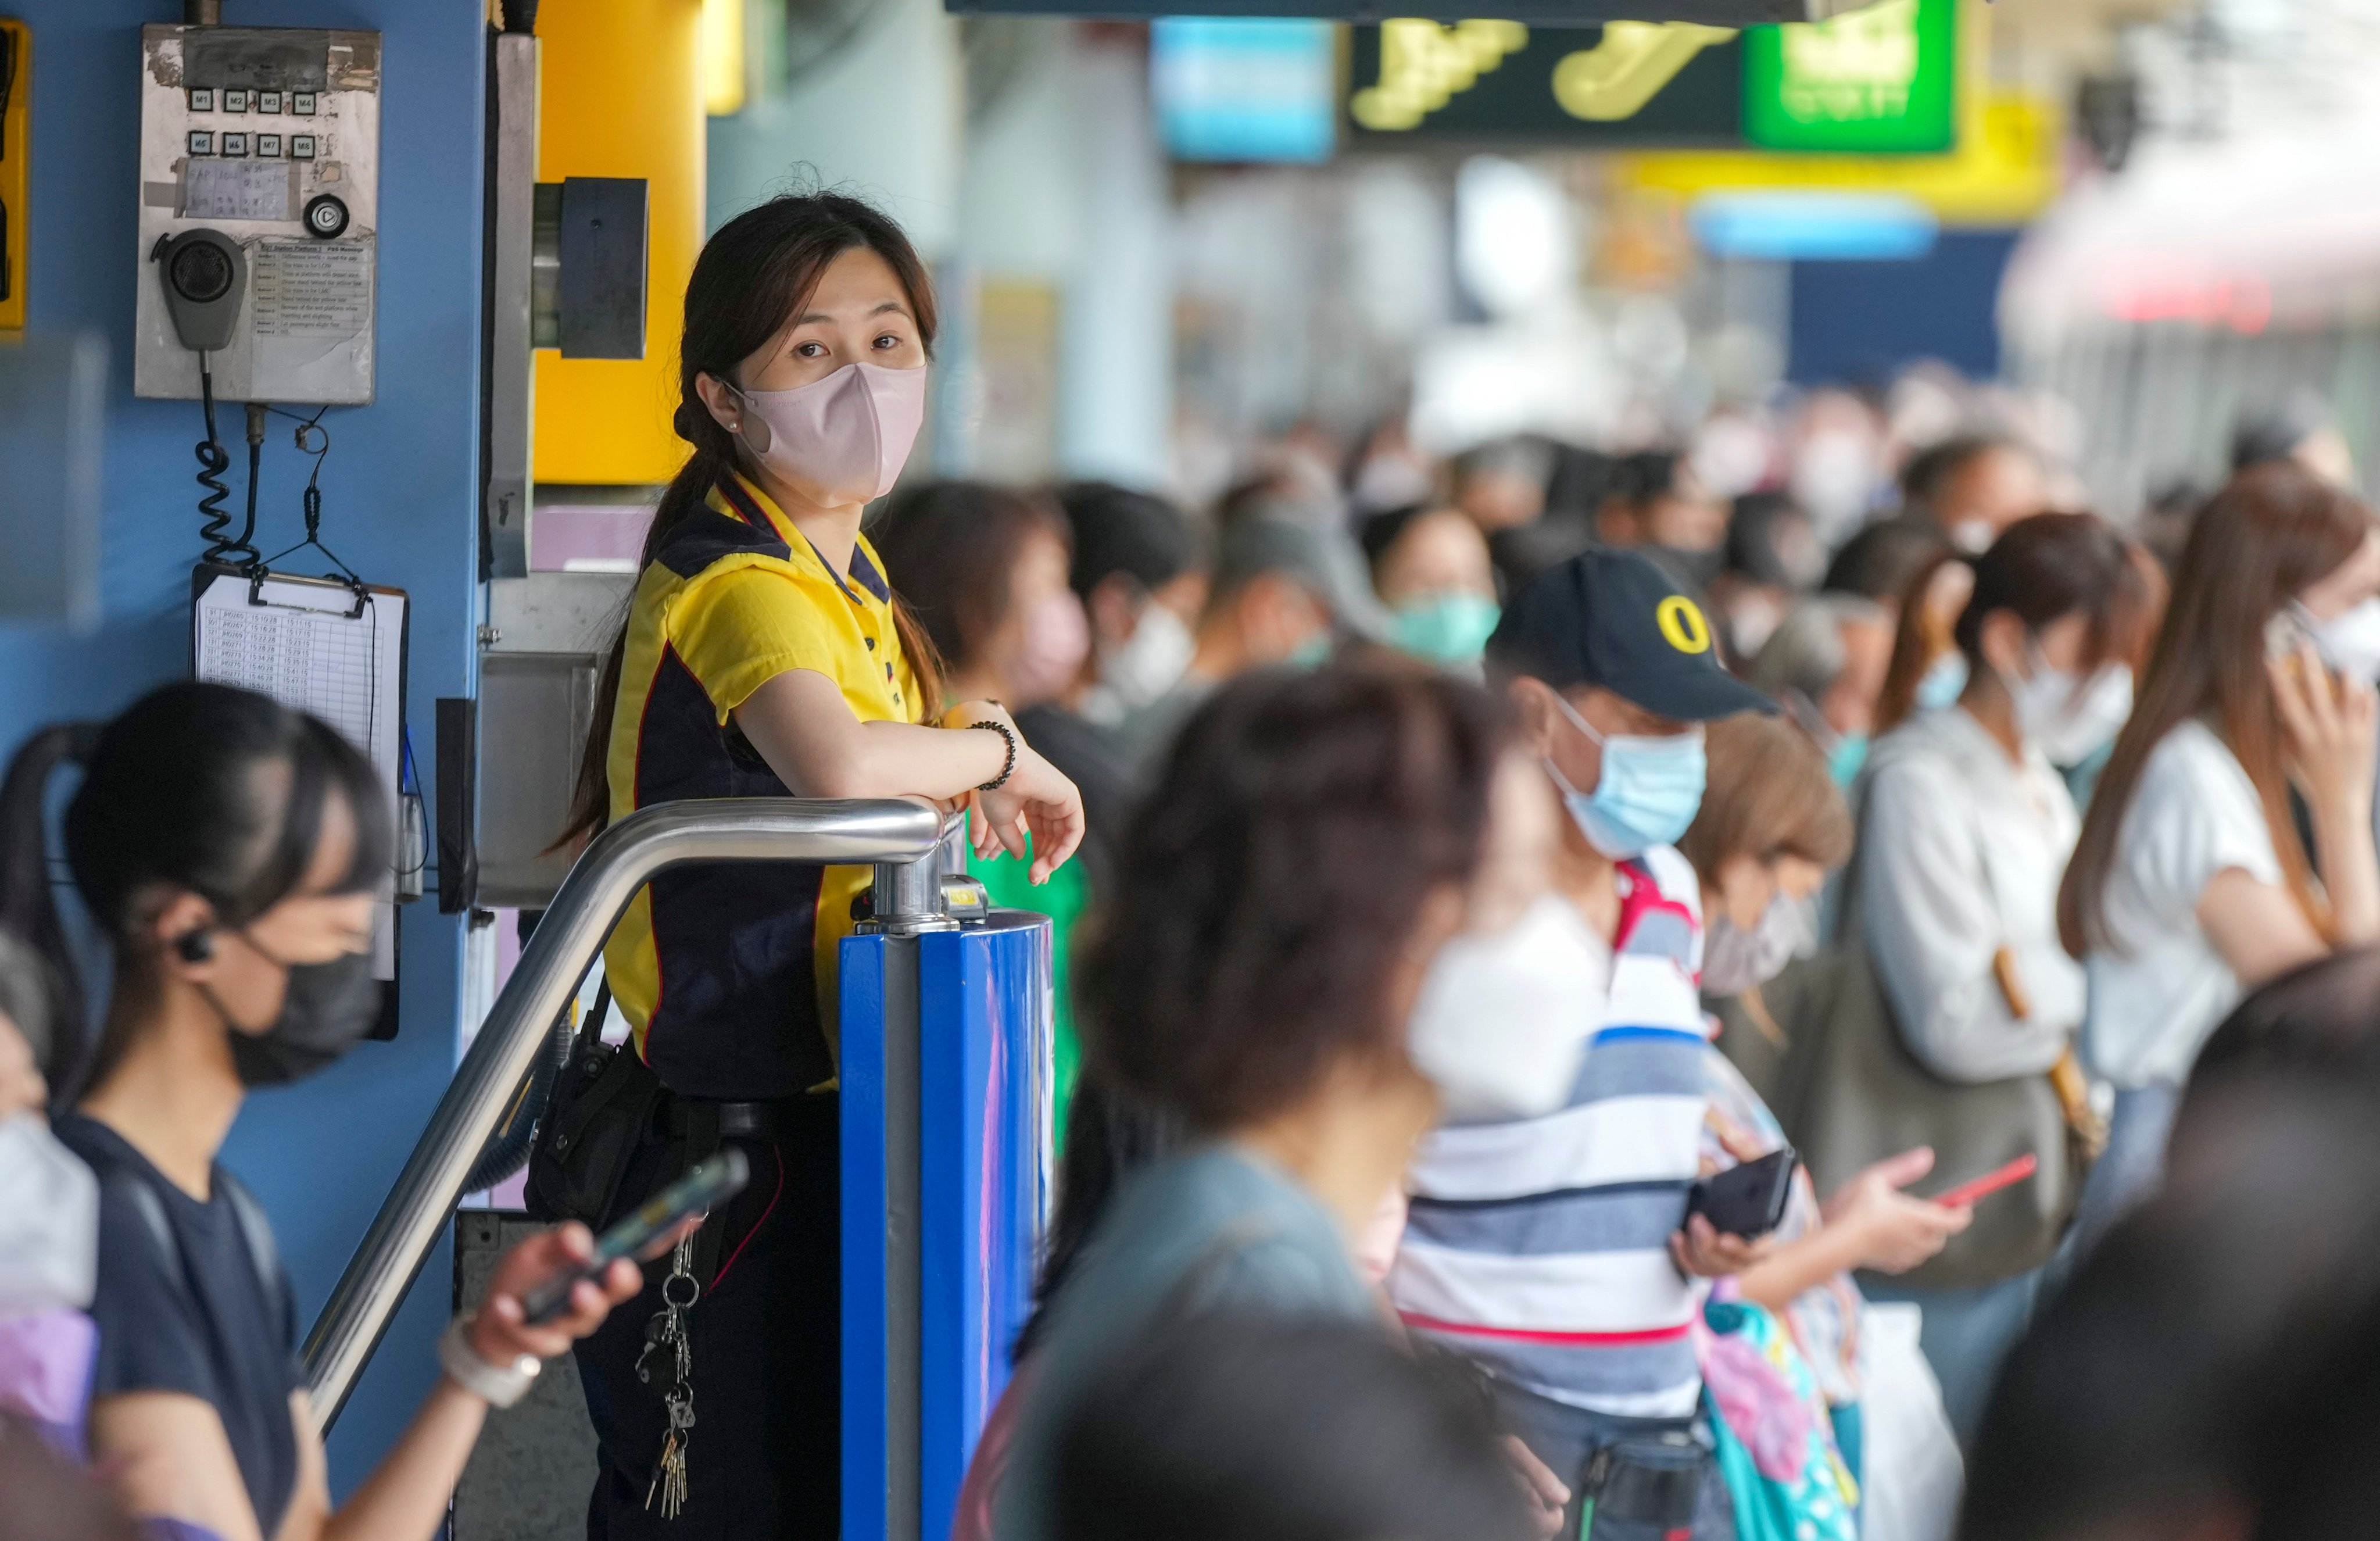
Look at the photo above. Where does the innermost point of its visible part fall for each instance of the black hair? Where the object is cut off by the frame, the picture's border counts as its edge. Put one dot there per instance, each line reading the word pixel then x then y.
pixel 1930 471
pixel 2276 433
pixel 1879 561
pixel 2315 1025
pixel 28 999
pixel 2213 1359
pixel 951 547
pixel 753 273
pixel 1269 885
pixel 2052 565
pixel 177 793
pixel 1119 530
pixel 1263 1427
pixel 1379 534
pixel 1109 1135
pixel 1640 478
pixel 1752 532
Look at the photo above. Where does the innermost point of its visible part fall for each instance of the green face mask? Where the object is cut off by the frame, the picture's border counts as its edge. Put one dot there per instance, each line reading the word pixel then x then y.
pixel 1445 628
pixel 1312 653
pixel 1850 756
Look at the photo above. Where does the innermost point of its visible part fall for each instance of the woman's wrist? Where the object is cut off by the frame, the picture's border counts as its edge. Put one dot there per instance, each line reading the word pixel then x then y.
pixel 499 1382
pixel 1012 746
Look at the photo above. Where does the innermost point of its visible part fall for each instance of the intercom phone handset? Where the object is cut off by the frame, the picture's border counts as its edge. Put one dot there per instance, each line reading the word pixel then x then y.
pixel 205 273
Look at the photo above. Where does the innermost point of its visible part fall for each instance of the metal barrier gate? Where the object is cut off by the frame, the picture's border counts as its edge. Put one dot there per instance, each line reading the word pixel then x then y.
pixel 946 1122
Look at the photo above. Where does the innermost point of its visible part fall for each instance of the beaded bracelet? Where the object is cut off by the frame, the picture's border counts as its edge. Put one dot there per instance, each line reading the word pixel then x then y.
pixel 1007 769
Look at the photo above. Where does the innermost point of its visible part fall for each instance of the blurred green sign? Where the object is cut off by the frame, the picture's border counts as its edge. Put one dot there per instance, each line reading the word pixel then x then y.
pixel 1878 79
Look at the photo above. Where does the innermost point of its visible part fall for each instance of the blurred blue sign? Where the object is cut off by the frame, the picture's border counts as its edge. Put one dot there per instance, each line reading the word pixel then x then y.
pixel 1244 91
pixel 1786 227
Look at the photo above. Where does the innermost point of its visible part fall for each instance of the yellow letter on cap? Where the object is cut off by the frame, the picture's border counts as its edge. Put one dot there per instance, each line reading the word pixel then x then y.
pixel 1683 626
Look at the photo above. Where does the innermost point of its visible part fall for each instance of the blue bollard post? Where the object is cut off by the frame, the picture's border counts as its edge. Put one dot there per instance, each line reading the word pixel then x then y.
pixel 947 1102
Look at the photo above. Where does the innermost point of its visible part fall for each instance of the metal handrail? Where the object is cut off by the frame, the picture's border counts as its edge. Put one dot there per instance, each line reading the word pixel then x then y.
pixel 887 833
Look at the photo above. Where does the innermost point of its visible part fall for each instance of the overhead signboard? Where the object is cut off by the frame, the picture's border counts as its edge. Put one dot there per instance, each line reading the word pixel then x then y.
pixel 1881 80
pixel 1245 90
pixel 2002 166
pixel 1878 79
pixel 1557 13
pixel 2004 170
pixel 1630 83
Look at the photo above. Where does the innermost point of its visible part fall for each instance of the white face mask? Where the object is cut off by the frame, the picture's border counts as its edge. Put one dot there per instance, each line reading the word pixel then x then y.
pixel 1502 1022
pixel 1736 961
pixel 2068 718
pixel 1143 666
pixel 2349 642
pixel 49 1220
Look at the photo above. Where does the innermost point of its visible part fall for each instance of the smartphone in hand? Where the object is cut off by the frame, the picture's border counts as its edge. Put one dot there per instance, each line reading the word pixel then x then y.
pixel 1989 1183
pixel 714 1181
pixel 1747 1200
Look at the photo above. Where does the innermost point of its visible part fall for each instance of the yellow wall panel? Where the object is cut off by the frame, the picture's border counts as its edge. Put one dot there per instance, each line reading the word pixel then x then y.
pixel 16 175
pixel 622 96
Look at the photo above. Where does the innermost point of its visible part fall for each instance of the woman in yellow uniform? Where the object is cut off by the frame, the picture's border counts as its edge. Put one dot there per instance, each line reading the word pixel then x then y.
pixel 765 654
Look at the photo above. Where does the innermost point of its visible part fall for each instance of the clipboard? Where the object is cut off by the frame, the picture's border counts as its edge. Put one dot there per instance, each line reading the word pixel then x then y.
pixel 332 647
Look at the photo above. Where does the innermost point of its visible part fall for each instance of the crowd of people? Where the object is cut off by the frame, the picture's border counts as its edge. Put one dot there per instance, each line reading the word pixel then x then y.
pixel 1547 945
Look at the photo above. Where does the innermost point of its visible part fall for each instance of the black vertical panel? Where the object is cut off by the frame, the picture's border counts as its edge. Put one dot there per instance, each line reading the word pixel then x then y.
pixel 603 264
pixel 458 804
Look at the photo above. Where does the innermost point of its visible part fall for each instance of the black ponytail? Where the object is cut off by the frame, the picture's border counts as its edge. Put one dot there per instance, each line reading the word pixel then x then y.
pixel 755 272
pixel 43 978
pixel 177 796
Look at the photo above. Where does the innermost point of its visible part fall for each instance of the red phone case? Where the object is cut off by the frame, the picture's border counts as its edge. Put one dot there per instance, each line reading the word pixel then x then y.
pixel 1990 1182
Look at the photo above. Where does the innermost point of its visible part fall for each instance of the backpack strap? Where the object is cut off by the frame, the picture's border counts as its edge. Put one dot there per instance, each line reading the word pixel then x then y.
pixel 142 1200
pixel 254 1229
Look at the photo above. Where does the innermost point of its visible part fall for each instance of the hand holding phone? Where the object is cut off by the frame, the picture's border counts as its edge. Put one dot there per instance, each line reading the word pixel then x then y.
pixel 1992 1182
pixel 2326 727
pixel 1746 1200
pixel 713 1182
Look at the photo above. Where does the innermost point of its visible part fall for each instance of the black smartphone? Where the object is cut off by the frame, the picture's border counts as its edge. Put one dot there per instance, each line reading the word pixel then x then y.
pixel 721 1178
pixel 1747 1200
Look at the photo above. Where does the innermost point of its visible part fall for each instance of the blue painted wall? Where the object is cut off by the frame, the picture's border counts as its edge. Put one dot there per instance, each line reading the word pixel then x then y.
pixel 1858 322
pixel 398 505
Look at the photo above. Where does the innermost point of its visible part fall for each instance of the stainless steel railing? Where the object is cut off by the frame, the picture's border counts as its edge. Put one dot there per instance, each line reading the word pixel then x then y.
pixel 896 837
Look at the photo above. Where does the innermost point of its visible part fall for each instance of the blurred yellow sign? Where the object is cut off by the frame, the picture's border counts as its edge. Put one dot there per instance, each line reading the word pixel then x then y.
pixel 2004 171
pixel 1618 75
pixel 1423 66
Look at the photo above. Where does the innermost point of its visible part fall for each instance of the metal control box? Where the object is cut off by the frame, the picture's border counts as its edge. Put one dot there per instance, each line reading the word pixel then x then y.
pixel 269 137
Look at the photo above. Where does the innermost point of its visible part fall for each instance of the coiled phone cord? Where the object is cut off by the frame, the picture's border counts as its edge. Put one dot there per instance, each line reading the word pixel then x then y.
pixel 214 461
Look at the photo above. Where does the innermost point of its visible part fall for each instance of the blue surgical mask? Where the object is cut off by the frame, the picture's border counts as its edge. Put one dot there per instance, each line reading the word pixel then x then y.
pixel 1445 628
pixel 1312 653
pixel 1847 758
pixel 1647 794
pixel 1944 678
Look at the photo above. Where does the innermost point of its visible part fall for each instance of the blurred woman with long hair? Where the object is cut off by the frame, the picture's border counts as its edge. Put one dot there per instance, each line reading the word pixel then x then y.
pixel 2190 880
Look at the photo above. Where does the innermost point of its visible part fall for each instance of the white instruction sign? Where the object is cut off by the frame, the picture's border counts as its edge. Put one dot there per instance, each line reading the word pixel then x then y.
pixel 237 189
pixel 312 289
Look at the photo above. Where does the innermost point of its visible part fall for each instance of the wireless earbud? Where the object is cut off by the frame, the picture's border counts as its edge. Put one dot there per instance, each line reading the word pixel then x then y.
pixel 196 946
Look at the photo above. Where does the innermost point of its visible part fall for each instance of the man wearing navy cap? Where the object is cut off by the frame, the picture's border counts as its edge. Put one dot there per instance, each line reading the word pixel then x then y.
pixel 1555 1251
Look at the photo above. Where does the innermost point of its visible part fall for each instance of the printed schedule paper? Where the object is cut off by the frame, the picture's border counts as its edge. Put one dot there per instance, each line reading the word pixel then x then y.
pixel 305 646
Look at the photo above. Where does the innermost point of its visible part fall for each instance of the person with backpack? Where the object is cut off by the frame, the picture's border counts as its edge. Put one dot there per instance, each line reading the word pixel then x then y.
pixel 228 850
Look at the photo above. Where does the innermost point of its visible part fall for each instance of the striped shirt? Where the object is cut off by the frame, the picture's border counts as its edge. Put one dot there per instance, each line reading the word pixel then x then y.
pixel 1539 1248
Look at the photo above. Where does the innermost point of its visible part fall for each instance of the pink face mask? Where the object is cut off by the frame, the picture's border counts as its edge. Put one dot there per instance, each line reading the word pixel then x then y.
pixel 1057 638
pixel 841 440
